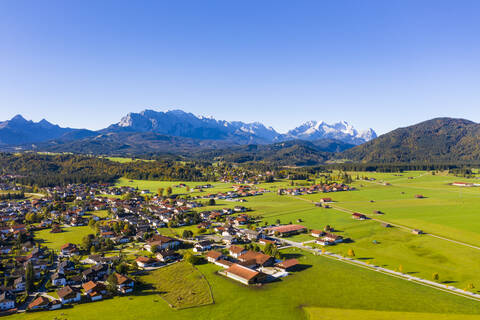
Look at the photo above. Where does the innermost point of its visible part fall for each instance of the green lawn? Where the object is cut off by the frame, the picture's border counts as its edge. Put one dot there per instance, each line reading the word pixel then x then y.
pixel 335 314
pixel 154 185
pixel 181 285
pixel 323 284
pixel 56 240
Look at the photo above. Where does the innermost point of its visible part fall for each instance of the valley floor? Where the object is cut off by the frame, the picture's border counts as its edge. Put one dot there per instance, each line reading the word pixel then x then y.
pixel 328 289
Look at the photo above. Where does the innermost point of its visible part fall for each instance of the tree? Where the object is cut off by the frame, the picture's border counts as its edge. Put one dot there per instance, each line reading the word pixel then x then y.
pixel 211 202
pixel 29 278
pixel 351 253
pixel 277 221
pixel 122 268
pixel 400 268
pixel 268 249
pixel 435 276
pixel 187 234
pixel 91 223
pixel 169 191
pixel 160 191
pixel 191 258
pixel 112 284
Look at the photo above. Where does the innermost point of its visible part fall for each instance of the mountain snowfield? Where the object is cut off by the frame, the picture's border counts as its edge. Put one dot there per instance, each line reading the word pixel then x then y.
pixel 178 123
pixel 343 131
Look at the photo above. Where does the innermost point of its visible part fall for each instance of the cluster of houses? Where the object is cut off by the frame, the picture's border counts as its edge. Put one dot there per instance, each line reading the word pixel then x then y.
pixel 82 291
pixel 238 192
pixel 250 267
pixel 8 186
pixel 331 187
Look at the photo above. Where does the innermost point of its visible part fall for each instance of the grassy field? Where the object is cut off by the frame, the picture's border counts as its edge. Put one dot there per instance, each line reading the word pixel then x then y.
pixel 322 284
pixel 181 285
pixel 154 185
pixel 335 314
pixel 325 289
pixel 56 240
pixel 389 247
pixel 124 160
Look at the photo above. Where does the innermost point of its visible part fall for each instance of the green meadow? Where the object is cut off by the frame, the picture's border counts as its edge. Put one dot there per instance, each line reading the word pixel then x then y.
pixel 325 289
pixel 56 240
pixel 323 283
pixel 180 285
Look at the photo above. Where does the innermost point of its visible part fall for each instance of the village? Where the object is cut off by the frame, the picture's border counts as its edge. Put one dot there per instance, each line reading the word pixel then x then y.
pixel 128 238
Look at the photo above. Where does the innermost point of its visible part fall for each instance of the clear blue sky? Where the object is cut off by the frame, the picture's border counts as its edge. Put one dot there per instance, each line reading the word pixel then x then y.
pixel 380 64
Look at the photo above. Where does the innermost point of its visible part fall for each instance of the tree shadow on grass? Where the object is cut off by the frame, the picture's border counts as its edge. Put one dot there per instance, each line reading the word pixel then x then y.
pixel 365 258
pixel 411 272
pixel 449 281
pixel 301 267
pixel 291 255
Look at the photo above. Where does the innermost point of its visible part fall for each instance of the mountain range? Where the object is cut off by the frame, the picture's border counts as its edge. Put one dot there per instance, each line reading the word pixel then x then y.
pixel 181 134
pixel 436 140
pixel 169 131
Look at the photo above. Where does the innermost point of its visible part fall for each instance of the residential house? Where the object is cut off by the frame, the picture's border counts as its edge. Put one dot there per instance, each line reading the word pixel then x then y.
pixel 68 294
pixel 243 275
pixel 124 284
pixel 236 251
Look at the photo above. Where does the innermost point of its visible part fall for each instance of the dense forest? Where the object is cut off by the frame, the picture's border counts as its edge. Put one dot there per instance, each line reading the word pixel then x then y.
pixel 33 169
pixel 51 170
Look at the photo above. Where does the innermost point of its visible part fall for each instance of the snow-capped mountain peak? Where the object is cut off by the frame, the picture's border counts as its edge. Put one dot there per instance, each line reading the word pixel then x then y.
pixel 314 130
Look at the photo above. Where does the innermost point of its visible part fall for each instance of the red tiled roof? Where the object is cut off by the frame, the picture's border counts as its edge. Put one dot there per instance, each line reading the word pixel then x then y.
pixel 242 272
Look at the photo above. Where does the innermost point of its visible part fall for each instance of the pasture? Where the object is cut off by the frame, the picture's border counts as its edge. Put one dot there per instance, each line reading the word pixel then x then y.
pixel 323 283
pixel 56 240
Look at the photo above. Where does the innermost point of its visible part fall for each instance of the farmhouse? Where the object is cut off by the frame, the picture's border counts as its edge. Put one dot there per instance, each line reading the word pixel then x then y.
pixel 317 233
pixel 244 275
pixel 287 265
pixel 287 230
pixel 124 284
pixel 161 242
pixel 145 262
pixel 203 246
pixel 329 239
pixel 213 256
pixel 69 249
pixel 236 251
pixel 68 295
pixel 95 290
pixel 39 303
pixel 326 200
pixel 168 255
pixel 417 231
pixel 359 216
pixel 253 259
